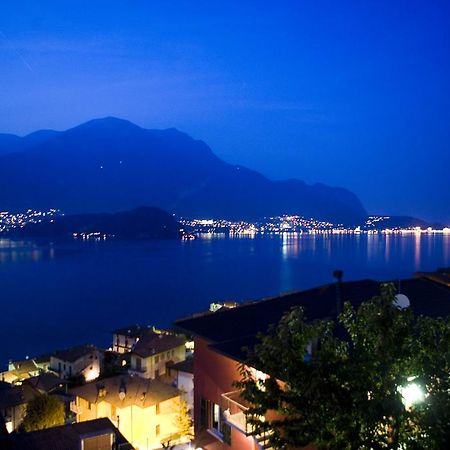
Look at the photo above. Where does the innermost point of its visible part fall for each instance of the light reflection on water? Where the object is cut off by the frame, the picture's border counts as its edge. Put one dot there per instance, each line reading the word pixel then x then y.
pixel 374 247
pixel 104 285
pixel 19 251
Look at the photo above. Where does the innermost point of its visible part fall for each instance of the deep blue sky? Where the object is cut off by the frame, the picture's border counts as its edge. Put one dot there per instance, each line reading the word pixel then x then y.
pixel 355 94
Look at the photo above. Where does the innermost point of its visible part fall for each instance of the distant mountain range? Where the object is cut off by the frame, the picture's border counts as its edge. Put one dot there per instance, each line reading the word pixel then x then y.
pixel 140 223
pixel 110 165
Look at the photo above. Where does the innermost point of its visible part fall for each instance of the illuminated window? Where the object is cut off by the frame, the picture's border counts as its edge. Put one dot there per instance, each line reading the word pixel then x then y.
pixel 157 408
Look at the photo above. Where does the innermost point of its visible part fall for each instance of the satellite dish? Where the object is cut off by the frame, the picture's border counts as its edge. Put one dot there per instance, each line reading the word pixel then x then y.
pixel 122 395
pixel 401 301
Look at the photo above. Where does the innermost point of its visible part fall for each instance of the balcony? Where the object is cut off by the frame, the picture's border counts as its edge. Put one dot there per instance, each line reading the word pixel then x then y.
pixel 234 411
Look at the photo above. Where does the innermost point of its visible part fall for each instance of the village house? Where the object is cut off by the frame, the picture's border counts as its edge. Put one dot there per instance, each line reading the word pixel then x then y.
pixel 183 376
pixel 220 338
pixel 154 352
pixel 143 410
pixel 84 360
pixel 124 338
pixel 99 434
pixel 13 403
pixel 20 370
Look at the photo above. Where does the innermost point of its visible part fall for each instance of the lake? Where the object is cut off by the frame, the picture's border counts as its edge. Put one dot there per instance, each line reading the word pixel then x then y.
pixel 59 294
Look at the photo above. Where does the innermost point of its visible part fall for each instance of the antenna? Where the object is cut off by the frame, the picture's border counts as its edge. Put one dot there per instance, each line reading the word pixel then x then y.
pixel 338 274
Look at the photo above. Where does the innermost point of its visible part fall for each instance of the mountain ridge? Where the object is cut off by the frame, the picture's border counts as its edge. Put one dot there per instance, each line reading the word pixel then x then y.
pixel 111 164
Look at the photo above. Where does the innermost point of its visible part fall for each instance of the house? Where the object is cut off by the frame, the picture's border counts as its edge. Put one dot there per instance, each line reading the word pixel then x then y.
pixel 154 351
pixel 98 434
pixel 183 373
pixel 84 360
pixel 20 370
pixel 13 403
pixel 124 338
pixel 143 410
pixel 220 338
pixel 46 382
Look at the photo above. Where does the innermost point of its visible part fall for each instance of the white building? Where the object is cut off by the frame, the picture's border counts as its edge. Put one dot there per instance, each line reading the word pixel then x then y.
pixel 154 352
pixel 86 360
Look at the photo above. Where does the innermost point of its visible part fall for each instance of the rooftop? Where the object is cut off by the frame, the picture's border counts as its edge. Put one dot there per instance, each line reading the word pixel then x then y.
pixel 12 395
pixel 67 437
pixel 184 366
pixel 137 391
pixel 154 343
pixel 229 330
pixel 45 382
pixel 74 353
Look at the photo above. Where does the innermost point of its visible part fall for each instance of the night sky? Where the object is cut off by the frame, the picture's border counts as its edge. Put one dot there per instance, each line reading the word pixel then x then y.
pixel 355 94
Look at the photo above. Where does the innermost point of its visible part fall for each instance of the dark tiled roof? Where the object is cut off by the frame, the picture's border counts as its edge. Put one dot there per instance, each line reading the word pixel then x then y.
pixel 139 391
pixel 184 366
pixel 152 344
pixel 45 382
pixel 229 330
pixel 74 353
pixel 441 275
pixel 67 437
pixel 11 395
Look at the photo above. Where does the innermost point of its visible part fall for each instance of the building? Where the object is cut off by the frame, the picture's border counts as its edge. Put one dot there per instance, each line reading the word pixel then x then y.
pixel 220 338
pixel 183 373
pixel 46 382
pixel 99 434
pixel 13 403
pixel 124 338
pixel 154 352
pixel 143 410
pixel 20 370
pixel 84 360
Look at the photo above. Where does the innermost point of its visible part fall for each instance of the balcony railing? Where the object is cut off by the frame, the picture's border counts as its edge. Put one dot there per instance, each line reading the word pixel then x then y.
pixel 235 411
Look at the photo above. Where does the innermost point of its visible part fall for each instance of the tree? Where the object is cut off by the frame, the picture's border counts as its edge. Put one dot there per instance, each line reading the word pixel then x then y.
pixel 44 411
pixel 183 423
pixel 378 378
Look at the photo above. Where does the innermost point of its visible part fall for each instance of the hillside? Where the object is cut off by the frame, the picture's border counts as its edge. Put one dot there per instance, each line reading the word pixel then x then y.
pixel 112 165
pixel 140 223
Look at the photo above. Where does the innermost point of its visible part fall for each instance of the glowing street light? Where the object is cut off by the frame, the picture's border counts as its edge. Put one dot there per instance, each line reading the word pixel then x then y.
pixel 412 393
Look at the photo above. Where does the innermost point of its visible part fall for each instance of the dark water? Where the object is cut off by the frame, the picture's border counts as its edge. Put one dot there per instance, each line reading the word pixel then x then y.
pixel 59 294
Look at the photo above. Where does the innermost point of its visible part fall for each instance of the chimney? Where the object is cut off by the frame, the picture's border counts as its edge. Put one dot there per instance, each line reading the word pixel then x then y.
pixel 338 274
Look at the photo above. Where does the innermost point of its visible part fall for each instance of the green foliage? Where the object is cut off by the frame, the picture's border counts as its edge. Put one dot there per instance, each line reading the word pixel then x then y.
pixel 347 395
pixel 44 411
pixel 183 420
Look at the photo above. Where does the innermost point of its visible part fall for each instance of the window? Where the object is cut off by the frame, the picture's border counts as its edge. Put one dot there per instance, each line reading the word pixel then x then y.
pixel 156 359
pixel 226 433
pixel 157 430
pixel 157 408
pixel 216 417
pixel 172 353
pixel 138 363
pixel 204 413
pixel 167 355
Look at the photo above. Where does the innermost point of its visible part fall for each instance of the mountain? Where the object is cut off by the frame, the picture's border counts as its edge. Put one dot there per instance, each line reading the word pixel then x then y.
pixel 10 143
pixel 404 222
pixel 112 165
pixel 140 223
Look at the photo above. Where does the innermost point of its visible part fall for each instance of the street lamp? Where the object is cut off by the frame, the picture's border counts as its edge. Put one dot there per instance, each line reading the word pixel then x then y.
pixel 412 393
